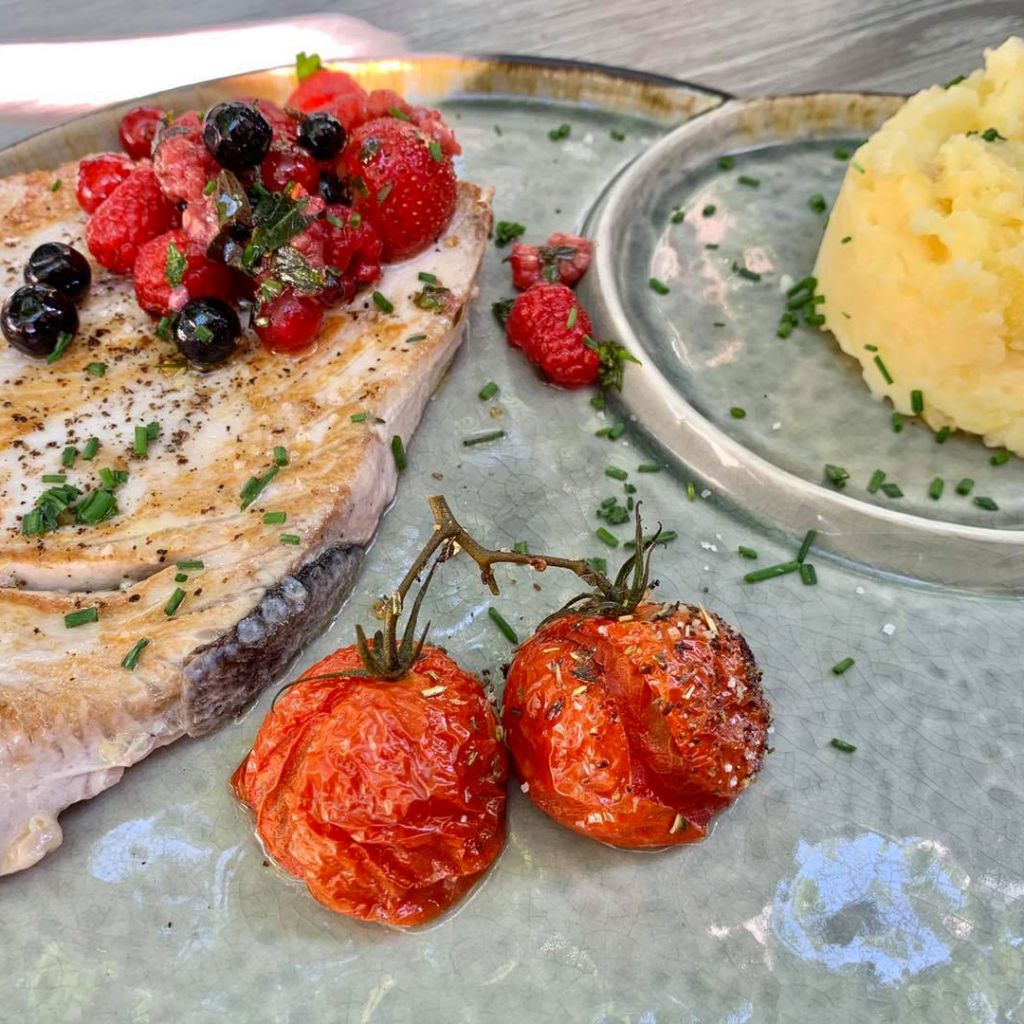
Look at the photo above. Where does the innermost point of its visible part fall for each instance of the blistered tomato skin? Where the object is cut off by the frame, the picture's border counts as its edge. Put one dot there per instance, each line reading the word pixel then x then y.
pixel 386 798
pixel 636 732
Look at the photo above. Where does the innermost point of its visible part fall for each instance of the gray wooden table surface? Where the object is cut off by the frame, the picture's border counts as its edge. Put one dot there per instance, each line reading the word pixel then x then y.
pixel 743 46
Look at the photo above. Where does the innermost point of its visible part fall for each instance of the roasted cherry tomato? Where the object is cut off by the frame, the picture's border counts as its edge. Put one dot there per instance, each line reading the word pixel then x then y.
pixel 636 730
pixel 386 798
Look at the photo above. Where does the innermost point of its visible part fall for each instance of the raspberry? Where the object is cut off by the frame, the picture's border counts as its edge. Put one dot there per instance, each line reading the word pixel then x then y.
pixel 200 278
pixel 98 176
pixel 384 103
pixel 403 184
pixel 136 211
pixel 351 253
pixel 289 322
pixel 138 129
pixel 539 325
pixel 334 91
pixel 563 258
pixel 181 160
pixel 286 164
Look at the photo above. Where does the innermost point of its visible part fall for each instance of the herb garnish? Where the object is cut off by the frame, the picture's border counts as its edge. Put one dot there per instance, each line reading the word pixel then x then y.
pixel 771 571
pixel 846 748
pixel 507 631
pixel 506 231
pixel 290 538
pixel 658 286
pixel 491 435
pixel 175 265
pixel 306 65
pixel 398 453
pixel 488 391
pixel 174 602
pixel 561 132
pixel 96 369
pixel 383 303
pixel 82 617
pixel 63 341
pixel 841 666
pixel 275 518
pixel 817 203
pixel 131 659
pixel 836 475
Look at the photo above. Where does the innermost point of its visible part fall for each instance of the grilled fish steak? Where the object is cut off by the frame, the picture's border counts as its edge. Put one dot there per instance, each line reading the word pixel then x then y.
pixel 71 717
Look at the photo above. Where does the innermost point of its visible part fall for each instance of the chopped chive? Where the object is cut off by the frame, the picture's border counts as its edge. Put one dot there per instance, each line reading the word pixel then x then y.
pixel 746 552
pixel 54 478
pixel 563 131
pixel 709 210
pixel 141 441
pixel 836 475
pixel 275 518
pixel 383 303
pixel 846 239
pixel 398 113
pixel 498 619
pixel 521 547
pixel 598 564
pixel 897 422
pixel 570 320
pixel 82 617
pixel 210 187
pixel 616 135
pixel 629 488
pixel 181 577
pixel 841 153
pixel 737 412
pixel 805 545
pixel 648 467
pixel 491 435
pixel 68 456
pixel 999 459
pixel 280 456
pixel 807 284
pixel 954 81
pixel 435 151
pixel 426 277
pixel 892 490
pixel 63 341
pixel 857 167
pixel 986 503
pixel 691 491
pixel 711 245
pixel 941 435
pixel 678 216
pixel 358 417
pixel 413 338
pixel 190 565
pixel 616 431
pixel 846 748
pixel 917 402
pixel 506 231
pixel 96 369
pixel 935 489
pixel 597 401
pixel 841 666
pixel 965 486
pixel 784 330
pixel 398 451
pixel 490 389
pixel 609 538
pixel 55 185
pixel 745 179
pixel 131 659
pixel 750 275
pixel 727 163
pixel 658 286
pixel 817 203
pixel 615 473
pixel 876 481
pixel 808 574
pixel 255 486
pixel 152 431
pixel 883 370
pixel 174 602
pixel 290 538
pixel 92 446
pixel 771 571
pixel 871 348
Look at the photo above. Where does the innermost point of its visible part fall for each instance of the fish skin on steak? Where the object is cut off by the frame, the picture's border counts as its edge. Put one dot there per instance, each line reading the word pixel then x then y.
pixel 71 718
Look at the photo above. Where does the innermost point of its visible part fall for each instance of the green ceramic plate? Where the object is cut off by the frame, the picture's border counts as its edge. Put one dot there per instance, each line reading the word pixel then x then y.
pixel 885 885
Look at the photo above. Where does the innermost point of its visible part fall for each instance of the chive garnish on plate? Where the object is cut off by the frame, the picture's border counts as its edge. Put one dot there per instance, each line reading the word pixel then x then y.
pixel 841 666
pixel 771 571
pixel 746 179
pixel 726 163
pixel 648 467
pixel 876 481
pixel 506 231
pixel 498 619
pixel 398 452
pixel 808 574
pixel 92 446
pixel 805 545
pixel 280 456
pixel 836 475
pixel 96 369
pixel 709 210
pixel 658 286
pixel 131 659
pixel 181 577
pixel 82 617
pixel 742 271
pixel 615 473
pixel 941 435
pixel 563 131
pixel 609 538
pixel 891 490
pixel 846 748
pixel 965 486
pixel 190 565
pixel 746 552
pixel 935 488
pixel 999 459
pixel 521 547
pixel 988 504
pixel 737 412
pixel 68 456
pixel 883 369
pixel 817 203
pixel 383 303
pixel 63 342
pixel 141 444
pixel 174 602
pixel 290 538
pixel 490 389
pixel 491 435
pixel 275 518
pixel 255 486
pixel 917 402
pixel 897 422
pixel 54 478
pixel 358 417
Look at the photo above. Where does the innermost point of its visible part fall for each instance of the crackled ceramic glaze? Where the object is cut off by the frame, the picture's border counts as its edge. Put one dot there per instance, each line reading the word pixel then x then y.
pixel 884 885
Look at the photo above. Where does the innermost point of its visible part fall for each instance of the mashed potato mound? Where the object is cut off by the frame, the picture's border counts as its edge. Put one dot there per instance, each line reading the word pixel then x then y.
pixel 923 255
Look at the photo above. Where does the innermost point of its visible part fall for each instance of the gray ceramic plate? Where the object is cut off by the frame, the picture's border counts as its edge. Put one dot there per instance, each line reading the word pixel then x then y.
pixel 884 885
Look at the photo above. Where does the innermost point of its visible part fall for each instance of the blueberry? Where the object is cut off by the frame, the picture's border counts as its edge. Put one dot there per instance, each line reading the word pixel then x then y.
pixel 206 331
pixel 61 267
pixel 322 135
pixel 333 190
pixel 35 316
pixel 237 135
